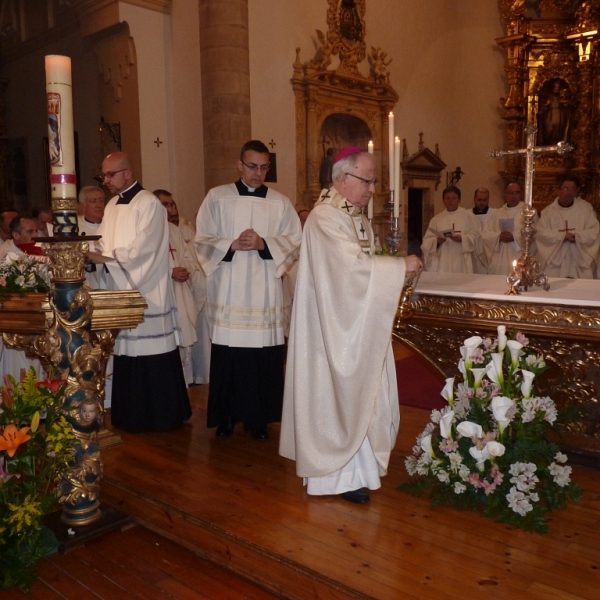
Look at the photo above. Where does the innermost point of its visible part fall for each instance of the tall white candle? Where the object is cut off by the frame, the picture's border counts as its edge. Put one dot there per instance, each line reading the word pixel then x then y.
pixel 370 146
pixel 370 209
pixel 391 148
pixel 396 177
pixel 61 142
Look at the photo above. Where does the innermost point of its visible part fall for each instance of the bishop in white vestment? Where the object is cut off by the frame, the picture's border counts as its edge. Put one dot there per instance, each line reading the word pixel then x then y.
pixel 246 235
pixel 452 237
pixel 149 391
pixel 568 235
pixel 341 413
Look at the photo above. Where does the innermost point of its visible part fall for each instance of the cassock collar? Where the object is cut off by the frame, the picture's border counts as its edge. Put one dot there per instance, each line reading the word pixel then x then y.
pixel 244 190
pixel 335 199
pixel 129 194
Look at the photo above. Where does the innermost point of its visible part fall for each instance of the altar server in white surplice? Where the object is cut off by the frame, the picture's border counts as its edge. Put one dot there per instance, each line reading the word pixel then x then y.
pixel 149 391
pixel 246 237
pixel 483 211
pixel 182 265
pixel 502 238
pixel 452 237
pixel 568 234
pixel 341 413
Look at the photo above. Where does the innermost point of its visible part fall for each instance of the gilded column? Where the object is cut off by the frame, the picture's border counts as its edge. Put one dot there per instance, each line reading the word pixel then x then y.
pixel 583 132
pixel 312 145
pixel 225 65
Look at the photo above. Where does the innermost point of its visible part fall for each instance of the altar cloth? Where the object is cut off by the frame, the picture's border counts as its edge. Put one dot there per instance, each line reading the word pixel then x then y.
pixel 568 292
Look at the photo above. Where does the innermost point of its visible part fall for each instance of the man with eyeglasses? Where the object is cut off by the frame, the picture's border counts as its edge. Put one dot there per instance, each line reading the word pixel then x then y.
pixel 568 234
pixel 452 237
pixel 341 413
pixel 246 237
pixel 149 391
pixel 501 236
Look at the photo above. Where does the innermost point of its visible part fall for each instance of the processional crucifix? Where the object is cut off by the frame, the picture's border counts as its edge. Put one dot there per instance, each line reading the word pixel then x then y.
pixel 526 272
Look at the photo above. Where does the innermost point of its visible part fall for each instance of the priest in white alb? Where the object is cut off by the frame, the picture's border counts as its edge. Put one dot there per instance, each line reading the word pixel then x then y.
pixel 452 237
pixel 149 391
pixel 568 234
pixel 341 413
pixel 501 236
pixel 246 237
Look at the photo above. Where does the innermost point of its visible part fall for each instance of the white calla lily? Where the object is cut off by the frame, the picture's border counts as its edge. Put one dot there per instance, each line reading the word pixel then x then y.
pixel 494 368
pixel 448 392
pixel 494 449
pixel 478 456
pixel 500 406
pixel 478 375
pixel 462 369
pixel 502 339
pixel 470 345
pixel 469 429
pixel 446 424
pixel 527 384
pixel 516 349
pixel 426 445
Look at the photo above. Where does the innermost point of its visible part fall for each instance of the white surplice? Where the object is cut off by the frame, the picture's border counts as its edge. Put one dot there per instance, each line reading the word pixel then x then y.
pixel 565 259
pixel 451 256
pixel 500 255
pixel 94 274
pixel 136 235
pixel 340 388
pixel 245 298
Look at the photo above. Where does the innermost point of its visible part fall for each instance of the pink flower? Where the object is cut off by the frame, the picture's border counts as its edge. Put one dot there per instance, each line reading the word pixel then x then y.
pixel 522 339
pixel 488 487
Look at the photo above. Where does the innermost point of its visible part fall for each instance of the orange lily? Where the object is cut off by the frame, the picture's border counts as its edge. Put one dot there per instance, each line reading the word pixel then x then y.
pixel 6 397
pixel 13 438
pixel 51 384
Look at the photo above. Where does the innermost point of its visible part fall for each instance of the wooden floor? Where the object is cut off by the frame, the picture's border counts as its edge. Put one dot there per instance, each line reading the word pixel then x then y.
pixel 239 503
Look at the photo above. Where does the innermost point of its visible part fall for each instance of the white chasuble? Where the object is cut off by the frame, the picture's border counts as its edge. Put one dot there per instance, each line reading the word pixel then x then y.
pixel 136 235
pixel 245 297
pixel 451 256
pixel 340 385
pixel 560 258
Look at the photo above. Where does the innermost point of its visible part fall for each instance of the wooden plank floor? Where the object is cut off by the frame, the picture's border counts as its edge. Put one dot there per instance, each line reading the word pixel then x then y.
pixel 239 503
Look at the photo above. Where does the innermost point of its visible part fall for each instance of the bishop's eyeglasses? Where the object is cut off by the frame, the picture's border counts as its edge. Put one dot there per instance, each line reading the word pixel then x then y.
pixel 368 182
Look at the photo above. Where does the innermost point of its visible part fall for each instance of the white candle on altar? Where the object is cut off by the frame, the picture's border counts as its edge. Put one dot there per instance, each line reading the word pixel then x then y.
pixel 396 177
pixel 391 148
pixel 370 147
pixel 61 139
pixel 370 209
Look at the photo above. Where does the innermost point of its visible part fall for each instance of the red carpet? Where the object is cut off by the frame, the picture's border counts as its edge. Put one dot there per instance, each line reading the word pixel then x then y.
pixel 419 384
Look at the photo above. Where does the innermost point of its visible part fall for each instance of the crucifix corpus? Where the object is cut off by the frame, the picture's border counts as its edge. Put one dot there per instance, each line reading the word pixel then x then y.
pixel 527 270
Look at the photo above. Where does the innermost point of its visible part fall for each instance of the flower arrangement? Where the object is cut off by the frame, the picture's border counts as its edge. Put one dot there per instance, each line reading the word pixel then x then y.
pixel 488 448
pixel 22 273
pixel 33 453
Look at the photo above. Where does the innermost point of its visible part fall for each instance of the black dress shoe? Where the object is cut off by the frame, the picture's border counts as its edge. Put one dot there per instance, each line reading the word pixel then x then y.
pixel 262 435
pixel 359 496
pixel 225 430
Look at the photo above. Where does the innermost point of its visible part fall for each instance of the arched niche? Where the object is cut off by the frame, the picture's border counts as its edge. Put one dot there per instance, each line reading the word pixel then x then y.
pixel 337 131
pixel 326 98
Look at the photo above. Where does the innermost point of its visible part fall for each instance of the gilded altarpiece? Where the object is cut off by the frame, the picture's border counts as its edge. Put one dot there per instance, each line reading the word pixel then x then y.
pixel 552 70
pixel 339 95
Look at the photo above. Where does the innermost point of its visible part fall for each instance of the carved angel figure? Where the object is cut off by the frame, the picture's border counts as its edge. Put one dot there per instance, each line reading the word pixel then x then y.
pixel 378 63
pixel 322 58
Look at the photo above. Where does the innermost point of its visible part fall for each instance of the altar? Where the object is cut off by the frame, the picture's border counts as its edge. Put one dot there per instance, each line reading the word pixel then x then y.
pixel 562 324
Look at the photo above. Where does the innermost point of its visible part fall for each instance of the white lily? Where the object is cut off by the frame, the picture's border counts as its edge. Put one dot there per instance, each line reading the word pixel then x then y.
pixel 494 368
pixel 426 445
pixel 477 377
pixel 500 406
pixel 470 345
pixel 469 429
pixel 502 339
pixel 478 456
pixel 462 369
pixel 448 392
pixel 527 384
pixel 516 349
pixel 446 424
pixel 494 449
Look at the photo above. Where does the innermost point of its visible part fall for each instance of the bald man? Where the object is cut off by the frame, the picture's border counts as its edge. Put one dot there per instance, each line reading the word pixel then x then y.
pixel 149 391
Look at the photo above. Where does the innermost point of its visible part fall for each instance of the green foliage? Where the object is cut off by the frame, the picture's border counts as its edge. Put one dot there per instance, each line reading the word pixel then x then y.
pixel 22 273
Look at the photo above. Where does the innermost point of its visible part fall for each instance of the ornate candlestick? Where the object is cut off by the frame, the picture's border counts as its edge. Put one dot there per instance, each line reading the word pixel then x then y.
pixel 394 237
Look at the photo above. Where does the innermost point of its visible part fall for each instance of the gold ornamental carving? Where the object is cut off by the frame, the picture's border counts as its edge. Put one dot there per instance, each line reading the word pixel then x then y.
pixel 347 33
pixel 67 259
pixel 64 204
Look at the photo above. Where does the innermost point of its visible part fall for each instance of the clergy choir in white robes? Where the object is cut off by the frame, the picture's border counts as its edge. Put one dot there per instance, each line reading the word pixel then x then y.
pixel 452 237
pixel 501 236
pixel 149 390
pixel 483 211
pixel 246 236
pixel 568 235
pixel 341 412
pixel 92 200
